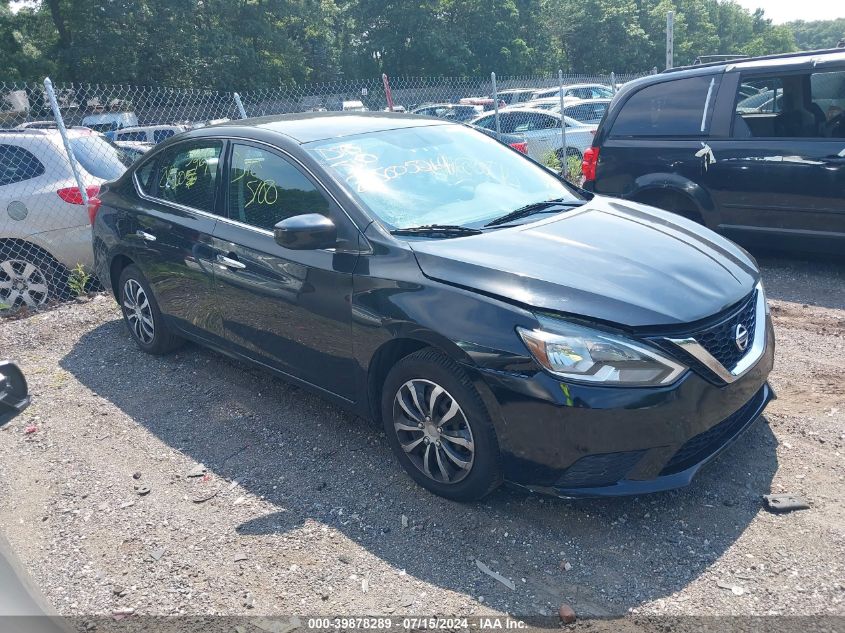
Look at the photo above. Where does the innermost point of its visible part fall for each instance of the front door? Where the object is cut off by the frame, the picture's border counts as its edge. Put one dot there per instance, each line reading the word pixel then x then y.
pixel 172 232
pixel 288 309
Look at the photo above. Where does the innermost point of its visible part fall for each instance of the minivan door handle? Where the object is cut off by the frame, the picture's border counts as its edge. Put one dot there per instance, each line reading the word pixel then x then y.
pixel 228 262
pixel 145 236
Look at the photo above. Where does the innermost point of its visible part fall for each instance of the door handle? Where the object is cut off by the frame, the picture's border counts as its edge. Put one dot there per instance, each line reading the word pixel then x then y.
pixel 145 236
pixel 228 262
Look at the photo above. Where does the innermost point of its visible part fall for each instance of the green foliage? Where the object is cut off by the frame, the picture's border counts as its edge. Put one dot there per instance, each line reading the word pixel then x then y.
pixel 818 34
pixel 244 44
pixel 78 280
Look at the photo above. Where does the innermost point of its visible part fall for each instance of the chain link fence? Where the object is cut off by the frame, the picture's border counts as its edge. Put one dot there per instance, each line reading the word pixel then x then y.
pixel 54 156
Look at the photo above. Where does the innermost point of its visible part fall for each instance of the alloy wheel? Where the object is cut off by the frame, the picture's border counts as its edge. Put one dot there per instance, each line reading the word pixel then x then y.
pixel 22 283
pixel 138 312
pixel 433 431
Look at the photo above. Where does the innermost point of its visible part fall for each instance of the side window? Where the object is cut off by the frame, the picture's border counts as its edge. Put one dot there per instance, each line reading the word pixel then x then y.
pixel 827 92
pixel 544 122
pixel 187 174
pixel 488 122
pixel 131 136
pixel 670 108
pixel 264 189
pixel 17 165
pixel 146 175
pixel 160 135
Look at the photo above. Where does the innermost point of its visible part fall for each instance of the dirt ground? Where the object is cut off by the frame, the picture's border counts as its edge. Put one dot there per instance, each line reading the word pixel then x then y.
pixel 303 509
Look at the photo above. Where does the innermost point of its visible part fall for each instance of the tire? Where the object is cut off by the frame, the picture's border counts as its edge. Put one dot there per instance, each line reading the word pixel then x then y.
pixel 29 277
pixel 472 438
pixel 142 315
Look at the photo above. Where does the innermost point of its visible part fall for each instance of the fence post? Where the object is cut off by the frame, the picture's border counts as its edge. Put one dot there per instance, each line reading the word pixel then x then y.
pixel 565 159
pixel 388 94
pixel 613 82
pixel 57 115
pixel 240 105
pixel 496 105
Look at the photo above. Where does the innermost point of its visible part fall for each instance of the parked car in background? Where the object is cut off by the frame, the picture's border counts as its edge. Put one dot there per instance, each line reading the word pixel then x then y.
pixel 450 111
pixel 541 130
pixel 353 106
pixel 39 125
pixel 579 91
pixel 500 324
pixel 547 103
pixel 516 141
pixel 514 96
pixel 133 150
pixel 766 169
pixel 44 228
pixel 148 133
pixel 108 122
pixel 587 111
pixel 485 102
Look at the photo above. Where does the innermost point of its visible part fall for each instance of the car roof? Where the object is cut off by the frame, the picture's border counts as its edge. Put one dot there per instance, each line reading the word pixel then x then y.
pixel 801 58
pixel 306 127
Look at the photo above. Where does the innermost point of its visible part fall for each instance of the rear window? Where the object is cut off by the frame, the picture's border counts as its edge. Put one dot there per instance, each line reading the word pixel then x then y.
pixel 17 165
pixel 99 158
pixel 670 108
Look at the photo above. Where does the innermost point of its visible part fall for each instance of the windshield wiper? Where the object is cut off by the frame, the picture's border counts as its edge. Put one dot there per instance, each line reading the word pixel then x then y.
pixel 547 206
pixel 437 230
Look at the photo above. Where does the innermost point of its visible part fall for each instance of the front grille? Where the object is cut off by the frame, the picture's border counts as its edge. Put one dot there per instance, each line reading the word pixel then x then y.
pixel 704 444
pixel 603 469
pixel 720 339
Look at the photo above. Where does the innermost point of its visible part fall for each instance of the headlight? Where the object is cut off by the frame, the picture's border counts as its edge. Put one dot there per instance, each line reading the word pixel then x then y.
pixel 583 354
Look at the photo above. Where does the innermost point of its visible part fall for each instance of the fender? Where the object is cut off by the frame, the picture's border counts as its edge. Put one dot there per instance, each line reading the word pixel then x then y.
pixel 676 183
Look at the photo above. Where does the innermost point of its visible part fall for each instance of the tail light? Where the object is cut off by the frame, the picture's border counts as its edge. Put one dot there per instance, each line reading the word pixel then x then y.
pixel 521 146
pixel 72 195
pixel 588 165
pixel 93 207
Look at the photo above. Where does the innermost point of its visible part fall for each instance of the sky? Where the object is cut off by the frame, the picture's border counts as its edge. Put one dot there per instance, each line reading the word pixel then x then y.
pixel 779 11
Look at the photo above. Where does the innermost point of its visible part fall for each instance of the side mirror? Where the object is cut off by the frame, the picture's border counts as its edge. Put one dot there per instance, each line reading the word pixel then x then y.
pixel 14 392
pixel 307 232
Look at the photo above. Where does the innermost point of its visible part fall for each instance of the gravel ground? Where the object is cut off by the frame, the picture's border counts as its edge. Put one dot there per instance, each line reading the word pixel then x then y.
pixel 303 509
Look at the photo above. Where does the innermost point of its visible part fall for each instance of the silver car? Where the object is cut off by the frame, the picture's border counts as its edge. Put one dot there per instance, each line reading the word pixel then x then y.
pixel 541 131
pixel 44 227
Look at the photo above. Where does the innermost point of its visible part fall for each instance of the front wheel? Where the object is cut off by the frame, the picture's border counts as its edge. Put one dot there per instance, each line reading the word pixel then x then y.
pixel 142 314
pixel 439 428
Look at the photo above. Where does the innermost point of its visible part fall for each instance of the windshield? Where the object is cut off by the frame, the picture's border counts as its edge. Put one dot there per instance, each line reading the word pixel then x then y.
pixel 442 174
pixel 98 157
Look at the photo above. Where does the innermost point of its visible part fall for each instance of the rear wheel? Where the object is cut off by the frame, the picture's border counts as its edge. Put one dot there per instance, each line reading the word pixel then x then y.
pixel 29 277
pixel 142 315
pixel 439 429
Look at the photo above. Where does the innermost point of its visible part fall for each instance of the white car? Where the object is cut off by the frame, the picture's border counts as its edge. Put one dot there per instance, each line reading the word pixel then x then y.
pixel 108 122
pixel 44 227
pixel 515 96
pixel 587 111
pixel 580 91
pixel 541 131
pixel 547 103
pixel 148 133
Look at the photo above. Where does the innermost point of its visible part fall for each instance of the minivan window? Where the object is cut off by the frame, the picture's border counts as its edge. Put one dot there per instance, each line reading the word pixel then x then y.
pixel 264 189
pixel 827 91
pixel 669 108
pixel 98 157
pixel 17 165
pixel 187 174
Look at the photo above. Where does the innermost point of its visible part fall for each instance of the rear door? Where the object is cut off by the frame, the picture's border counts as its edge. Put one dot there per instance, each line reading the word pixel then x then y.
pixel 288 309
pixel 172 228
pixel 781 174
pixel 658 139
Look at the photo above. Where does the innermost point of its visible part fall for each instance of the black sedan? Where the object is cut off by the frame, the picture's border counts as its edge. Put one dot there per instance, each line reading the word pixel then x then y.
pixel 500 324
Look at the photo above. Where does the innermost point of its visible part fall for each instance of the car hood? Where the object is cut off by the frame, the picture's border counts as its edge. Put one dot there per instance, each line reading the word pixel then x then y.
pixel 609 260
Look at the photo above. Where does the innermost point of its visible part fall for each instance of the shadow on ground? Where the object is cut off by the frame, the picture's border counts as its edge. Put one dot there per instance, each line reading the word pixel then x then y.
pixel 316 462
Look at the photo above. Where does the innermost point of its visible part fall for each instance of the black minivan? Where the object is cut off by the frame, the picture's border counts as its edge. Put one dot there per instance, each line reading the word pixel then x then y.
pixel 500 323
pixel 754 148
